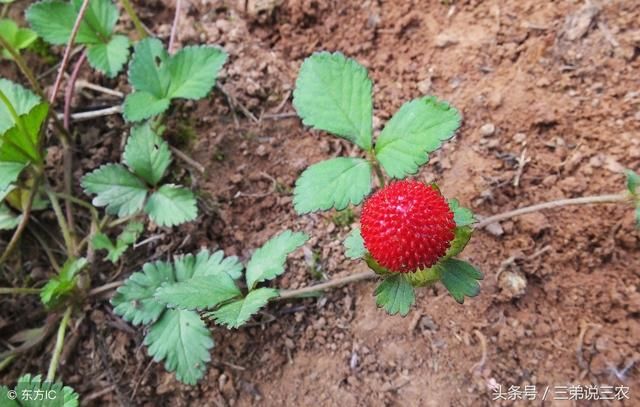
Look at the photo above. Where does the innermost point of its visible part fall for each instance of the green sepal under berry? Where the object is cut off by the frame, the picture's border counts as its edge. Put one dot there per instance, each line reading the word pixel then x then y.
pixel 395 294
pixel 53 20
pixel 158 77
pixel 425 277
pixel 57 394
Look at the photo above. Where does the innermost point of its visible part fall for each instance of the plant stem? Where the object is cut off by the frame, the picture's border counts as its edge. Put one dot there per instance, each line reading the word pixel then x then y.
pixel 585 200
pixel 19 290
pixel 62 222
pixel 26 213
pixel 67 50
pixel 55 360
pixel 142 33
pixel 22 65
pixel 336 282
pixel 174 26
pixel 71 84
pixel 106 287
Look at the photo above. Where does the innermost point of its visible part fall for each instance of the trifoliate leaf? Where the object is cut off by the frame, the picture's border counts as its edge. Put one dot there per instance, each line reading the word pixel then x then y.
pixel 633 181
pixel 206 264
pixel 22 100
pixel 333 93
pixel 8 220
pixel 182 340
pixel 461 215
pixel 171 205
pixel 237 313
pixel 268 261
pixel 19 144
pixel 109 58
pixel 116 188
pixel 418 128
pixel 33 391
pixel 146 154
pixel 9 172
pixel 18 38
pixel 460 278
pixel 158 77
pixel 333 183
pixel 135 301
pixel 95 28
pixel 199 292
pixel 395 294
pixel 128 237
pixel 63 284
pixel 355 245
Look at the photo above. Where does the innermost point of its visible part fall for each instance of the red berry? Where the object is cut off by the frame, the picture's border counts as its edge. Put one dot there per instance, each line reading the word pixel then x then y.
pixel 407 226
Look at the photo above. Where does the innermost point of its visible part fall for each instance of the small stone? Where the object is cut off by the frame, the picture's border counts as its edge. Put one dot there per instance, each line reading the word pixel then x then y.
pixel 519 137
pixel 261 151
pixel 495 229
pixel 444 40
pixel 512 283
pixel 487 129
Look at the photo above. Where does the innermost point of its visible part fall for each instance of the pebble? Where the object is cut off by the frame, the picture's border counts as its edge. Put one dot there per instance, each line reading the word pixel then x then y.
pixel 519 137
pixel 487 129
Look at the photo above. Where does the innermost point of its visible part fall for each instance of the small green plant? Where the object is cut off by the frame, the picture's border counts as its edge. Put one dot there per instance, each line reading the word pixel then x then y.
pixel 32 391
pixel 169 298
pixel 17 37
pixel 633 186
pixel 53 20
pixel 334 93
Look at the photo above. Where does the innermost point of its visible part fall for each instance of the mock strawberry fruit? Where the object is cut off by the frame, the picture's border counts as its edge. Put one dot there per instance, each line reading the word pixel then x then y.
pixel 407 226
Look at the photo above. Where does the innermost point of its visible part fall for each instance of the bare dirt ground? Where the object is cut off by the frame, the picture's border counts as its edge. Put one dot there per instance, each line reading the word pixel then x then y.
pixel 550 95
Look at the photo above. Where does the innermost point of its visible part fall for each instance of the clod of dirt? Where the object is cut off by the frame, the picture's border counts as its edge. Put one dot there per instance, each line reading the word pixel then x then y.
pixel 512 284
pixel 443 40
pixel 534 223
pixel 487 129
pixel 577 24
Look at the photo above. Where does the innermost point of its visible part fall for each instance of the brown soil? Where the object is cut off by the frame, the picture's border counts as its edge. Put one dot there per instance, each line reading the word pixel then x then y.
pixel 560 303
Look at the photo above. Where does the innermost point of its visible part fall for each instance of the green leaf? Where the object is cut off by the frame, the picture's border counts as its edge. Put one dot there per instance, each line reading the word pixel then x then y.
pixel 8 220
pixel 418 128
pixel 22 100
pixel 19 147
pixel 332 183
pixel 63 284
pixel 333 93
pixel 116 188
pixel 268 261
pixel 461 215
pixel 194 70
pixel 460 278
pixel 633 181
pixel 141 105
pixel 135 301
pixel 9 173
pixel 18 38
pixel 171 205
pixel 101 17
pixel 182 340
pixel 128 237
pixel 206 264
pixel 395 294
pixel 355 245
pixel 109 58
pixel 237 313
pixel 199 292
pixel 158 77
pixel 462 237
pixel 32 391
pixel 146 154
pixel 57 30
